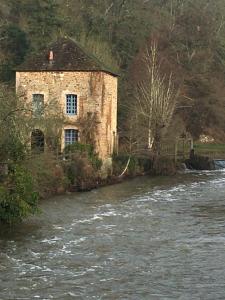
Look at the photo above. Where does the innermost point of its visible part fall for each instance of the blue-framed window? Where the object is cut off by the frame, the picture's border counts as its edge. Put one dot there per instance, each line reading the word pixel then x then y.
pixel 71 136
pixel 38 105
pixel 71 104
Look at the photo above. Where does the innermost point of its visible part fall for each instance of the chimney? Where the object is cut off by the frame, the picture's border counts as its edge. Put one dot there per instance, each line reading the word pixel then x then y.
pixel 51 56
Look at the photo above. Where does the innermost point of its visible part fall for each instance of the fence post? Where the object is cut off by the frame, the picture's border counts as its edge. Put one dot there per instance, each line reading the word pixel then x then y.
pixel 175 151
pixel 191 143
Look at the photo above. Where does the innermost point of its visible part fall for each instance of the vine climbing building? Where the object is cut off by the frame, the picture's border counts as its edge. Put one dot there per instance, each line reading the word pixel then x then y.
pixel 82 86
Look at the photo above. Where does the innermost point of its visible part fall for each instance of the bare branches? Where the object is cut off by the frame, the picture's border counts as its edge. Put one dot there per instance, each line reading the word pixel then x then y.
pixel 17 118
pixel 156 97
pixel 108 9
pixel 12 113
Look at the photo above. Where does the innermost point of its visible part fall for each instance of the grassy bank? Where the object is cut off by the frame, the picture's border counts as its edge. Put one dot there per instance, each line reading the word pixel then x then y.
pixel 210 150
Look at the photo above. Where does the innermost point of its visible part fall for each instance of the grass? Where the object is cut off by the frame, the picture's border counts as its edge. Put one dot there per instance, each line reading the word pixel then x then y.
pixel 215 147
pixel 211 150
pixel 214 151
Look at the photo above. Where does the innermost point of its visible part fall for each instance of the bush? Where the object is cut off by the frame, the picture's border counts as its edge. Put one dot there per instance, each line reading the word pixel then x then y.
pixel 145 164
pixel 81 172
pixel 48 174
pixel 12 149
pixel 163 165
pixel 83 150
pixel 136 165
pixel 199 162
pixel 17 196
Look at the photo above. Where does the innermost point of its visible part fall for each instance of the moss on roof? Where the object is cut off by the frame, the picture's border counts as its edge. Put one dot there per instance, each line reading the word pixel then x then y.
pixel 68 56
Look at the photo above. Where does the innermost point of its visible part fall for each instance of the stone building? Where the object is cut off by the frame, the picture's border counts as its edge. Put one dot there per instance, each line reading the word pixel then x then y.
pixel 83 87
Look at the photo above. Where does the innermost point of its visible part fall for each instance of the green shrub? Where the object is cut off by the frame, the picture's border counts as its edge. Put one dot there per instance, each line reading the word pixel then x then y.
pixel 198 162
pixel 84 149
pixel 164 166
pixel 78 147
pixel 80 171
pixel 145 164
pixel 11 148
pixel 136 165
pixel 17 196
pixel 48 174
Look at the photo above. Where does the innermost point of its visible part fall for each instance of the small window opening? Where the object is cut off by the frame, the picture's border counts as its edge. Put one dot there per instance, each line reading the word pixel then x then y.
pixel 71 104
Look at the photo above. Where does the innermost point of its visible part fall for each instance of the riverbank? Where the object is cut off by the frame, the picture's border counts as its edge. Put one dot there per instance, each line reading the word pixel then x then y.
pixel 111 180
pixel 124 168
pixel 46 176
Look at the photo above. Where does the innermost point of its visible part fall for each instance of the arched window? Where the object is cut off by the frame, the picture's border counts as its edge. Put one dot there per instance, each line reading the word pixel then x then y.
pixel 71 104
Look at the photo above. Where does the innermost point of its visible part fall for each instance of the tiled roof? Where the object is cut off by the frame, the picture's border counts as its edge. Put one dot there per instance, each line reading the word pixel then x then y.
pixel 68 55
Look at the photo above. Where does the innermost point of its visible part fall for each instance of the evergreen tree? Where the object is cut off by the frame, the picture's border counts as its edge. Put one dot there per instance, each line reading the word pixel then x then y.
pixel 43 22
pixel 14 47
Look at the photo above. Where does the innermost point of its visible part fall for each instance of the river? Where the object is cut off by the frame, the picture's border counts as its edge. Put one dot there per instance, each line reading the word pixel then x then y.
pixel 147 238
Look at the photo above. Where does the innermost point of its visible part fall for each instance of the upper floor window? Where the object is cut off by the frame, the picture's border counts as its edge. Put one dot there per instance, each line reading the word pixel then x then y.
pixel 71 136
pixel 71 104
pixel 38 105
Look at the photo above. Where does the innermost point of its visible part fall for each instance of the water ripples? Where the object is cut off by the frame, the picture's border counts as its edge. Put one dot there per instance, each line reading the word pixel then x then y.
pixel 161 241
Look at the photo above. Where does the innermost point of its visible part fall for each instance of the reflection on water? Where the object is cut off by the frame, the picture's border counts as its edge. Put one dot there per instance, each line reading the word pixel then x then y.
pixel 149 238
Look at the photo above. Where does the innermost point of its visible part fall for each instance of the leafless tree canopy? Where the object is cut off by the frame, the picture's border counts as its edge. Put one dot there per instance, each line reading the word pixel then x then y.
pixel 155 99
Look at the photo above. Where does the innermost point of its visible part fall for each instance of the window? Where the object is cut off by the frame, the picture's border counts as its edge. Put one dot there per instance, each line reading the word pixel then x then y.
pixel 71 136
pixel 71 104
pixel 37 141
pixel 38 105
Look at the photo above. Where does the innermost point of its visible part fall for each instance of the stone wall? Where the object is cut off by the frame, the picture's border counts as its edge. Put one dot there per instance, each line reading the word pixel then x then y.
pixel 96 93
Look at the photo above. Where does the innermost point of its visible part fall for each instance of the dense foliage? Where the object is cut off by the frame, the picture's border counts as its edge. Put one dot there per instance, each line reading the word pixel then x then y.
pixel 17 196
pixel 86 150
pixel 82 166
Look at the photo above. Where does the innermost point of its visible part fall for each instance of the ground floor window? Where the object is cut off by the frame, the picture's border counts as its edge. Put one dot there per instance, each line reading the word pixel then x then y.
pixel 71 136
pixel 37 141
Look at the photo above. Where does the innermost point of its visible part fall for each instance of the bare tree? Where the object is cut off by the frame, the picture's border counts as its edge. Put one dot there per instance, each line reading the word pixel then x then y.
pixel 155 99
pixel 18 120
pixel 50 121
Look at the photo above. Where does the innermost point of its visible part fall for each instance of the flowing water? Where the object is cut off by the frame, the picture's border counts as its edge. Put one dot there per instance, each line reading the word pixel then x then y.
pixel 148 238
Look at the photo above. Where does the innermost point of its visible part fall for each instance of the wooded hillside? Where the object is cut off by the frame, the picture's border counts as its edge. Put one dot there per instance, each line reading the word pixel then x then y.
pixel 190 35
